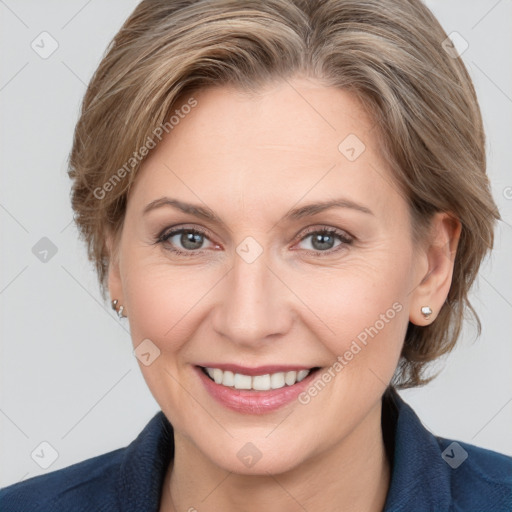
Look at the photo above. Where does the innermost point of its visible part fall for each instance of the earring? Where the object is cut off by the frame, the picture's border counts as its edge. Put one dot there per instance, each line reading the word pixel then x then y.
pixel 426 312
pixel 119 312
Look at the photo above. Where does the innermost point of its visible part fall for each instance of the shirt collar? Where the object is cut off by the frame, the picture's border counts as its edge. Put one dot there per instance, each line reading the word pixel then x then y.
pixel 419 477
pixel 144 465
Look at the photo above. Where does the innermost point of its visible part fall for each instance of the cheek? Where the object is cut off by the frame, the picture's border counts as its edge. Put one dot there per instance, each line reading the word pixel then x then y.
pixel 164 301
pixel 360 308
pixel 164 304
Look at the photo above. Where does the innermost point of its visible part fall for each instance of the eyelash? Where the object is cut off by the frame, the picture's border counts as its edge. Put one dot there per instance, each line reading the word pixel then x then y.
pixel 164 236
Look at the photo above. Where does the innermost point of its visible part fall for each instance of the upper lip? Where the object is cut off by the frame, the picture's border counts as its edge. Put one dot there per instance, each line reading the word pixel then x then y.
pixel 256 370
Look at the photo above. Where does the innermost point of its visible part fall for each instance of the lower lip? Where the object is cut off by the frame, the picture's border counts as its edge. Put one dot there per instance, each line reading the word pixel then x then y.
pixel 254 402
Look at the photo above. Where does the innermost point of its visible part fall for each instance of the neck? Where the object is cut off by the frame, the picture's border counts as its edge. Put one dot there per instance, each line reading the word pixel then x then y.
pixel 353 476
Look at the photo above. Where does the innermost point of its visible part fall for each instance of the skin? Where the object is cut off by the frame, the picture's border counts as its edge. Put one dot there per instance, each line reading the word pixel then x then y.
pixel 251 159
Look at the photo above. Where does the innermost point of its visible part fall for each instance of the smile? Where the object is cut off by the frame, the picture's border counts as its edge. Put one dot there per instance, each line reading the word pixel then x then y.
pixel 257 382
pixel 266 390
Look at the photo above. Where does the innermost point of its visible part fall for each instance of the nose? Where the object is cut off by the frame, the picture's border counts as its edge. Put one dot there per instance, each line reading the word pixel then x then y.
pixel 255 305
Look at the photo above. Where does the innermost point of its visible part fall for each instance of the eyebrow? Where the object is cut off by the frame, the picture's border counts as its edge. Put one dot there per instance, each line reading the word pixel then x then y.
pixel 206 213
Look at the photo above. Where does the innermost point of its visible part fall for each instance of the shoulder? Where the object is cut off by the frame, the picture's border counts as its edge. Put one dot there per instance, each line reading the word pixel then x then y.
pixel 446 474
pixel 128 478
pixel 480 479
pixel 89 485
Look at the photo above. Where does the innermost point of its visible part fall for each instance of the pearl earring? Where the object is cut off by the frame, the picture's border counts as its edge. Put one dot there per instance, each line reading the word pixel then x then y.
pixel 119 311
pixel 426 312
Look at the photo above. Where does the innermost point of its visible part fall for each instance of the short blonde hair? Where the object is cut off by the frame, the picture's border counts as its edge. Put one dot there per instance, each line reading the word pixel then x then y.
pixel 387 52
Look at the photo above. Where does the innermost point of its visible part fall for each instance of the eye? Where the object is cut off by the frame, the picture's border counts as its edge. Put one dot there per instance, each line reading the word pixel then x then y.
pixel 187 241
pixel 191 241
pixel 323 240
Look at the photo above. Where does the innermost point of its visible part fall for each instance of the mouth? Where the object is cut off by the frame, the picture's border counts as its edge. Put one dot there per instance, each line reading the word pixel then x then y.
pixel 262 382
pixel 258 390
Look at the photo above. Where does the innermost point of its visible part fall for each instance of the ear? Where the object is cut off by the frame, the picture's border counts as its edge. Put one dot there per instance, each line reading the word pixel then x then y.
pixel 435 277
pixel 115 287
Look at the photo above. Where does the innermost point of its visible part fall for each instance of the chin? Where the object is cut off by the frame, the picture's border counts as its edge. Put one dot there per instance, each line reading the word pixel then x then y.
pixel 264 466
pixel 258 457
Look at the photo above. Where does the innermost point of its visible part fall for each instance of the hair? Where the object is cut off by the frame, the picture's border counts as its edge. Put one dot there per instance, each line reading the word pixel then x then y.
pixel 389 53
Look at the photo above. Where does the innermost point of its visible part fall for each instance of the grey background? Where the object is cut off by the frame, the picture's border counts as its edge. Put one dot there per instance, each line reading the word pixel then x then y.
pixel 68 376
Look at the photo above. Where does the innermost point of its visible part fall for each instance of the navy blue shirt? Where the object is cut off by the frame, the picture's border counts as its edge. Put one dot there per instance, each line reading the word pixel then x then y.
pixel 428 473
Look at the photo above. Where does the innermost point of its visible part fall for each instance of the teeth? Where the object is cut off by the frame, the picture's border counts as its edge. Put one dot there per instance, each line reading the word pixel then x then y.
pixel 302 375
pixel 228 379
pixel 257 382
pixel 277 380
pixel 217 375
pixel 241 381
pixel 290 378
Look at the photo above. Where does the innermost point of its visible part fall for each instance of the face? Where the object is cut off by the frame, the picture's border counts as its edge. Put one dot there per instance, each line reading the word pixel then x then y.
pixel 263 287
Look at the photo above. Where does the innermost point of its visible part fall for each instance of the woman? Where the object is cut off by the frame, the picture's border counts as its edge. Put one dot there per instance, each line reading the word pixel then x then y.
pixel 288 202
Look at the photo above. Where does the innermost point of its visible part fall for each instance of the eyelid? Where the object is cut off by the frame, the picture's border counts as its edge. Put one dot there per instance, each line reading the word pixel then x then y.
pixel 323 229
pixel 344 236
pixel 174 230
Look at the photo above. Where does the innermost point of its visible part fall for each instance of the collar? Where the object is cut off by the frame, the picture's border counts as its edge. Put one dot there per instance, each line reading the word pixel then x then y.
pixel 419 476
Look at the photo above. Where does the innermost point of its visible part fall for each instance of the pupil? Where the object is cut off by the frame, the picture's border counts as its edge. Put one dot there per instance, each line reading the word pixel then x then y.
pixel 321 239
pixel 191 238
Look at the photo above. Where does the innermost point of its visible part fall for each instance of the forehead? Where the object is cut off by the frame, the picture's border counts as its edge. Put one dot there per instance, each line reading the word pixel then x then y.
pixel 300 115
pixel 293 137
